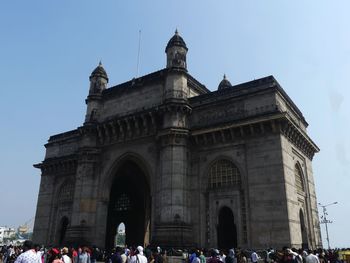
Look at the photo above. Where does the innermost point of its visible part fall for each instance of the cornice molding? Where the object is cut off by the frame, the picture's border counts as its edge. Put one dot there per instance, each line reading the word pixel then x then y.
pixel 59 165
pixel 278 123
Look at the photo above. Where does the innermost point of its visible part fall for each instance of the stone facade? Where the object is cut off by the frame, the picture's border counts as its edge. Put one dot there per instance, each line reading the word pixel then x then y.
pixel 181 165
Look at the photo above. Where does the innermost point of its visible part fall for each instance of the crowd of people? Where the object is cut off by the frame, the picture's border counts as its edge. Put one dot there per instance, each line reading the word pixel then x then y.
pixel 31 253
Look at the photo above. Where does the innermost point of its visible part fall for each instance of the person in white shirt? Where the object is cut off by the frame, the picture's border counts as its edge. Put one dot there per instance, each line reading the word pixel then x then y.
pixel 222 256
pixel 65 257
pixel 29 255
pixel 311 258
pixel 139 257
pixel 254 257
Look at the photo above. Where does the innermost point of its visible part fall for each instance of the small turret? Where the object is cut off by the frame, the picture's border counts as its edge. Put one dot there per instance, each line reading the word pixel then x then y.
pixel 224 84
pixel 176 51
pixel 98 83
pixel 98 80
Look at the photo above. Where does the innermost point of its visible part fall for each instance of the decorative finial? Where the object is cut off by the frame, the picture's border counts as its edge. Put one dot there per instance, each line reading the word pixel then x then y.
pixel 100 63
pixel 224 76
pixel 176 32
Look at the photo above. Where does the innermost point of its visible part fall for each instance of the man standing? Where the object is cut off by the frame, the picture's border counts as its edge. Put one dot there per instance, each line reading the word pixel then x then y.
pixel 65 257
pixel 254 257
pixel 214 256
pixel 116 257
pixel 311 258
pixel 82 256
pixel 29 255
pixel 139 257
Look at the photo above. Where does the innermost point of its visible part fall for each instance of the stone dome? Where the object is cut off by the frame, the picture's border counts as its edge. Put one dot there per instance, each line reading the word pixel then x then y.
pixel 224 84
pixel 99 71
pixel 176 40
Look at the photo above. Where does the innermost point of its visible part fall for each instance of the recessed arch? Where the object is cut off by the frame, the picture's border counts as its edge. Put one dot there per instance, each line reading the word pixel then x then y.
pixel 63 204
pixel 299 178
pixel 114 167
pixel 223 173
pixel 206 174
pixel 120 235
pixel 129 201
pixel 66 193
pixel 226 229
pixel 224 187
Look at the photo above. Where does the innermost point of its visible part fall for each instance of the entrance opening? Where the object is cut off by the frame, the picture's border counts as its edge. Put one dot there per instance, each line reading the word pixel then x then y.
pixel 227 231
pixel 120 236
pixel 303 231
pixel 129 204
pixel 63 229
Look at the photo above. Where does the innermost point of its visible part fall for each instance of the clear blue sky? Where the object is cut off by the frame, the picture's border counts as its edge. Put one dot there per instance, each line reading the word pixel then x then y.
pixel 49 48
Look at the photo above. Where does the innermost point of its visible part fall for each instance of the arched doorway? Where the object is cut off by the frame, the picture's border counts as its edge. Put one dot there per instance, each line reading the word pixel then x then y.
pixel 129 203
pixel 303 231
pixel 119 240
pixel 62 230
pixel 227 231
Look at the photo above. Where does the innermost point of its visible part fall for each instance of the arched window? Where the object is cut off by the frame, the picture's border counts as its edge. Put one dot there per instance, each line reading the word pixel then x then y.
pixel 123 203
pixel 299 182
pixel 223 173
pixel 66 193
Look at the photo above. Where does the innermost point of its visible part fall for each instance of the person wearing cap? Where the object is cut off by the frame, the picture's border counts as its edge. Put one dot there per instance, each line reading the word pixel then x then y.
pixel 138 257
pixel 29 255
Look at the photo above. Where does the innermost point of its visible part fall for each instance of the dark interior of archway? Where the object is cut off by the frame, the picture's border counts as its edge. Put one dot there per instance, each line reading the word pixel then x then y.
pixel 227 231
pixel 63 230
pixel 129 200
pixel 303 231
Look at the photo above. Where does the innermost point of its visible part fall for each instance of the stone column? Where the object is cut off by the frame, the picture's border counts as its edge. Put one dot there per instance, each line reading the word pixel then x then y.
pixel 82 227
pixel 173 225
pixel 41 230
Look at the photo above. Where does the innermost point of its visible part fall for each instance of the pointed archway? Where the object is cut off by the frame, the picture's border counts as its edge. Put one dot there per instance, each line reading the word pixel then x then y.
pixel 62 230
pixel 119 240
pixel 303 231
pixel 129 203
pixel 227 230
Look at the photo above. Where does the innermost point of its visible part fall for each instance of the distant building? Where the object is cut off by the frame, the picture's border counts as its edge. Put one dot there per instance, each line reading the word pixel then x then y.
pixel 181 166
pixel 6 233
pixel 23 229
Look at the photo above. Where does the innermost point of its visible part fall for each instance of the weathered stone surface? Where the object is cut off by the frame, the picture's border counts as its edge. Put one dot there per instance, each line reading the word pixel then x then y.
pixel 198 152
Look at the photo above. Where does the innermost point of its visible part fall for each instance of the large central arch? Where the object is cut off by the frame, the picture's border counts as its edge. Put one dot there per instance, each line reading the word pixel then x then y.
pixel 129 202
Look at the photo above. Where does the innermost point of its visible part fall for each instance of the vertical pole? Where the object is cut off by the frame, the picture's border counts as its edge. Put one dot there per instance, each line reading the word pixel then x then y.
pixel 326 222
pixel 138 55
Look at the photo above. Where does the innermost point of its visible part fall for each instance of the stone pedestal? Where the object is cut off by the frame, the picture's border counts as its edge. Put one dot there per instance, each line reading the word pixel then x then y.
pixel 174 235
pixel 78 235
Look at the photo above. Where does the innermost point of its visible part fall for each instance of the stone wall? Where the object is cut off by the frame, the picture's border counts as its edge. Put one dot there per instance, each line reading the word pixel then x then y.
pixel 298 201
pixel 132 100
